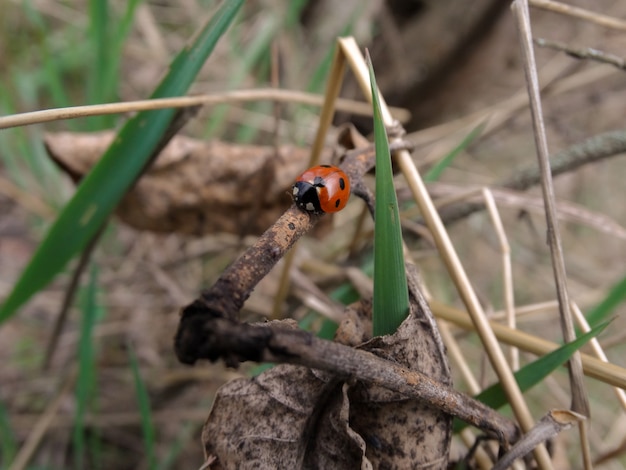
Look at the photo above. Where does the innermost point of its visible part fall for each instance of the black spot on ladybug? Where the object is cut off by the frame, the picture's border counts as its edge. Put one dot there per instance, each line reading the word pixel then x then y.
pixel 291 226
pixel 342 184
pixel 319 182
pixel 337 202
pixel 325 166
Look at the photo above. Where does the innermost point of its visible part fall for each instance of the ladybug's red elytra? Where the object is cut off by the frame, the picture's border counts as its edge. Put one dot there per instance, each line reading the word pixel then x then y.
pixel 321 189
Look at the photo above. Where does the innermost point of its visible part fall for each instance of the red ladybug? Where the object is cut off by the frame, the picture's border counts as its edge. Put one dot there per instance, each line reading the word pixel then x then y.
pixel 321 189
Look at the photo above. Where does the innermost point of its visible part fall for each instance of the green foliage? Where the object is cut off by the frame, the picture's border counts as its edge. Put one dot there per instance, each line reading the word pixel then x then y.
pixel 8 442
pixel 143 401
pixel 257 54
pixel 616 296
pixel 105 185
pixel 107 37
pixel 391 296
pixel 533 373
pixel 435 172
pixel 86 380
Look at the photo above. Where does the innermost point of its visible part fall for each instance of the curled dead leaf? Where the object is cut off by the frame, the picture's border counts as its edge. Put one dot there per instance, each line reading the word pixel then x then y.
pixel 296 417
pixel 195 187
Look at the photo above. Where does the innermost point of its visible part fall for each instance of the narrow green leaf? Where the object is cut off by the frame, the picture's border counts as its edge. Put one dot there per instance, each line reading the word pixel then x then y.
pixel 120 166
pixel 391 296
pixel 8 441
pixel 86 380
pixel 435 172
pixel 248 58
pixel 115 46
pixel 98 34
pixel 143 400
pixel 50 66
pixel 317 82
pixel 616 296
pixel 533 373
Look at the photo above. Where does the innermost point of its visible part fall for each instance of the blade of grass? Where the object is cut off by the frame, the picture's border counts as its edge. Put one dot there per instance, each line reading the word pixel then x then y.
pixel 53 76
pixel 143 400
pixel 99 37
pixel 316 84
pixel 86 379
pixel 8 443
pixel 533 373
pixel 616 296
pixel 391 295
pixel 115 47
pixel 248 59
pixel 96 449
pixel 435 172
pixel 107 39
pixel 106 184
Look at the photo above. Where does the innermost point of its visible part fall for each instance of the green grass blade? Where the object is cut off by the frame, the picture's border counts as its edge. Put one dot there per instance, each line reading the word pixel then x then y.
pixel 8 442
pixel 120 166
pixel 616 296
pixel 86 379
pixel 107 37
pixel 116 44
pixel 435 172
pixel 50 66
pixel 98 34
pixel 317 83
pixel 391 297
pixel 247 58
pixel 143 400
pixel 533 373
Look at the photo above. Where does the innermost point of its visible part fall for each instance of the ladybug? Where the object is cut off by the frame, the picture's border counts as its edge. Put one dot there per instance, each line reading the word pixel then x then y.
pixel 321 189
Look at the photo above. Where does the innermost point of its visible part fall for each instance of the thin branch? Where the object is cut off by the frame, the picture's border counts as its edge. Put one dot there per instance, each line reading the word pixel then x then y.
pixel 583 53
pixel 580 403
pixel 271 94
pixel 577 12
pixel 68 299
pixel 606 372
pixel 549 426
pixel 447 193
pixel 507 271
pixel 207 337
pixel 591 150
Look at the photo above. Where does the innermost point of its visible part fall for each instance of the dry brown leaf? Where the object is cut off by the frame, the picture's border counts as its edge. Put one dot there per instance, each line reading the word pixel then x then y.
pixel 195 187
pixel 294 417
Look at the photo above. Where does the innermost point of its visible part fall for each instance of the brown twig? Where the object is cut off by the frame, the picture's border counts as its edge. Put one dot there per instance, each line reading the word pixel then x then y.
pixel 48 115
pixel 593 149
pixel 68 299
pixel 565 9
pixel 580 403
pixel 583 52
pixel 207 337
pixel 549 426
